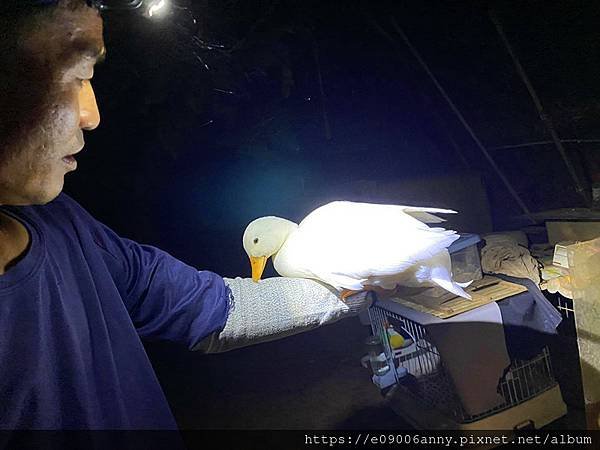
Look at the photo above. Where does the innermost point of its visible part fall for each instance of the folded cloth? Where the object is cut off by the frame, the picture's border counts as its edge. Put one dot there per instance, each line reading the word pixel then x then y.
pixel 529 319
pixel 503 254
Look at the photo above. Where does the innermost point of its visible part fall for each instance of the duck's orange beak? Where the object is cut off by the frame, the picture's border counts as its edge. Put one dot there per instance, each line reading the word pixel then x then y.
pixel 258 264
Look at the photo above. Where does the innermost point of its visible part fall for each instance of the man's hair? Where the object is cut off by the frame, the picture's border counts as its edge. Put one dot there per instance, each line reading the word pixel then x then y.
pixel 15 12
pixel 19 16
pixel 15 15
pixel 27 7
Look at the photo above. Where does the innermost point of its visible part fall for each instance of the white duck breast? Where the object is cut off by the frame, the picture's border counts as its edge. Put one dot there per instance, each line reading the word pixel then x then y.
pixel 352 245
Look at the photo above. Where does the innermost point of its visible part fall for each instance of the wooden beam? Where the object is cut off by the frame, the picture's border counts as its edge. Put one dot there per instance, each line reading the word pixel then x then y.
pixel 460 117
pixel 546 120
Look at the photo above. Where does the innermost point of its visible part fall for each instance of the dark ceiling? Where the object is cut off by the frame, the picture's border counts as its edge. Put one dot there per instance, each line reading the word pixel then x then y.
pixel 298 92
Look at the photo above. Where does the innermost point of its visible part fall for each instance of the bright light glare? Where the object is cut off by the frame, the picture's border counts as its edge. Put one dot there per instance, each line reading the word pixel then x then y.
pixel 156 7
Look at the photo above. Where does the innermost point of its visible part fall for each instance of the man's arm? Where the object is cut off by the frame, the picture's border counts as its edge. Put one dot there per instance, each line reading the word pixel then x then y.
pixel 170 300
pixel 276 308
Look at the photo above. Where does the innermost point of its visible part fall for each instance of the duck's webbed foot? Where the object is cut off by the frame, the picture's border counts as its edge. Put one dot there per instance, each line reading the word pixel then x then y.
pixel 381 292
pixel 347 293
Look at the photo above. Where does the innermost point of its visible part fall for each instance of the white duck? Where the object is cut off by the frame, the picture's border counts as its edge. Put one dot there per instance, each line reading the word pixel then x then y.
pixel 357 246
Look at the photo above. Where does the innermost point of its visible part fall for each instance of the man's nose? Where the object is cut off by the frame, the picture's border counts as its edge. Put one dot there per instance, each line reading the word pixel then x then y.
pixel 89 115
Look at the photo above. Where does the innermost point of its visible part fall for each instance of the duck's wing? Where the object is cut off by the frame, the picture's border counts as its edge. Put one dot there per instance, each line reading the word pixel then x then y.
pixel 424 214
pixel 337 208
pixel 362 240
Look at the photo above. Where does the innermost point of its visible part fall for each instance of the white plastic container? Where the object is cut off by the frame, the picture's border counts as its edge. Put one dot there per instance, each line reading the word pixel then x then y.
pixel 466 263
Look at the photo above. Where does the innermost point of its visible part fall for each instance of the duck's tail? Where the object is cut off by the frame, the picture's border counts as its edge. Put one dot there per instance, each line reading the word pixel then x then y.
pixel 425 214
pixel 444 280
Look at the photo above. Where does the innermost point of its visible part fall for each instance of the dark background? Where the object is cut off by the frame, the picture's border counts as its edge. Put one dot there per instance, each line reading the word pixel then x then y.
pixel 305 101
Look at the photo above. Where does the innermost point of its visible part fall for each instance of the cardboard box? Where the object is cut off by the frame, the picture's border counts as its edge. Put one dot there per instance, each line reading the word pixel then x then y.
pixel 487 290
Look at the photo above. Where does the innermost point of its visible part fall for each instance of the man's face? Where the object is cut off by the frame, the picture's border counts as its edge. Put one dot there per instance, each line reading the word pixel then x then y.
pixel 47 103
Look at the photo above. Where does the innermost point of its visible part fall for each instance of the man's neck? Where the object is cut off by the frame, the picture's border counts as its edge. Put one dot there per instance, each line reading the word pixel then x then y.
pixel 14 241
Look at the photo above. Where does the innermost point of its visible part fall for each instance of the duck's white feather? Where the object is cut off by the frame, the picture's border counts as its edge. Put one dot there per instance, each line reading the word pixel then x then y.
pixel 350 245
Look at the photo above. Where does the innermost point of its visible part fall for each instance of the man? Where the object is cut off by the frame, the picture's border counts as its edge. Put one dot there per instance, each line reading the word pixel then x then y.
pixel 75 298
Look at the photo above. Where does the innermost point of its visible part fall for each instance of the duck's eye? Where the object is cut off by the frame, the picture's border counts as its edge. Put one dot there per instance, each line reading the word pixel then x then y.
pixel 255 240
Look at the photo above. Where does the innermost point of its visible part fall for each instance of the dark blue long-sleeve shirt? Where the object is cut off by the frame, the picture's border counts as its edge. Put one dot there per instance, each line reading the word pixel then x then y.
pixel 72 312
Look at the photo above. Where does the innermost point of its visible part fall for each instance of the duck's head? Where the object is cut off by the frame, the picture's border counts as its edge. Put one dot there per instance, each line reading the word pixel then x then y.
pixel 263 238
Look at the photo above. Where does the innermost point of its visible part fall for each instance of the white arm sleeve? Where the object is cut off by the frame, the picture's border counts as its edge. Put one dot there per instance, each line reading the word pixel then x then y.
pixel 277 307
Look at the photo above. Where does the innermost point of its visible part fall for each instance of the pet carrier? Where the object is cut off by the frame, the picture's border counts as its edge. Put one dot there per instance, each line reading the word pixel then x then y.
pixel 420 389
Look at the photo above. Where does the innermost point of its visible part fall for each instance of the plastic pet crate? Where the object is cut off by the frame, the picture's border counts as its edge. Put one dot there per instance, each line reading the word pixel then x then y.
pixel 421 391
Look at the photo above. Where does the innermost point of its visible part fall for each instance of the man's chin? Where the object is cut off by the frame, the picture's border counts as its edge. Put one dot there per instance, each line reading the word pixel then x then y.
pixel 44 196
pixel 49 196
pixel 37 190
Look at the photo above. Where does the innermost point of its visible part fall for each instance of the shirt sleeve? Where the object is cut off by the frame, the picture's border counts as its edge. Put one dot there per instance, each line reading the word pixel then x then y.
pixel 166 298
